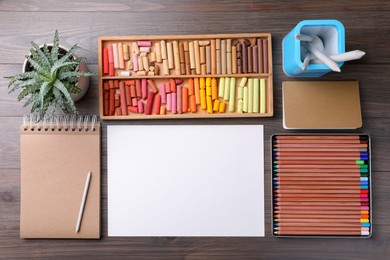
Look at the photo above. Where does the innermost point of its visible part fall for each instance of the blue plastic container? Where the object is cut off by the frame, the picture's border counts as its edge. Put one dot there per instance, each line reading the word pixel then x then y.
pixel 332 34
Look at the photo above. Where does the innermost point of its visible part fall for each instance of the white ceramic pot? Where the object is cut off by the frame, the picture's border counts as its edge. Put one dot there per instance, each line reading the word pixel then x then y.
pixel 83 82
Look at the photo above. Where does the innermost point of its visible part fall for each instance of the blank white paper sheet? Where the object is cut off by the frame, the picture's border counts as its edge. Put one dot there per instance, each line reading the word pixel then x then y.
pixel 186 180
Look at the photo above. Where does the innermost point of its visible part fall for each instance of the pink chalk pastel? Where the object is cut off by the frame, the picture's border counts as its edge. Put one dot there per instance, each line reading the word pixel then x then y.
pixel 134 102
pixel 140 106
pixel 144 89
pixel 144 43
pixel 178 98
pixel 163 94
pixel 169 102
pixel 178 81
pixel 134 60
pixel 174 107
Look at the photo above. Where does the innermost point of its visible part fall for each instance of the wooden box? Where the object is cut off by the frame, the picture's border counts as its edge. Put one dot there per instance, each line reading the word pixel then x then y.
pixel 185 59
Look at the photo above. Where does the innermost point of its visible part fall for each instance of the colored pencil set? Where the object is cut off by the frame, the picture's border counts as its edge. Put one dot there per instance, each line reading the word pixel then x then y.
pixel 321 185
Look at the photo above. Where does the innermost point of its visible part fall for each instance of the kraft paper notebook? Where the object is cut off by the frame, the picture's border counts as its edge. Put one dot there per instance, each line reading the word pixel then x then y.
pixel 321 105
pixel 185 180
pixel 56 157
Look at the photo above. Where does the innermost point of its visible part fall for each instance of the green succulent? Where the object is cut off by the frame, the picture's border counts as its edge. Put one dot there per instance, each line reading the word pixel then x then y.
pixel 52 79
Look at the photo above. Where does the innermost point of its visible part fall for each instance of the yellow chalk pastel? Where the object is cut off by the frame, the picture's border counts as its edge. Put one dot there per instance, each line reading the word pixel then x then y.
pixel 262 96
pixel 256 96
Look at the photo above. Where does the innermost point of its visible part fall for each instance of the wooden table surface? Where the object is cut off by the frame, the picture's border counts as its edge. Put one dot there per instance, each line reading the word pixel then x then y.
pixel 367 26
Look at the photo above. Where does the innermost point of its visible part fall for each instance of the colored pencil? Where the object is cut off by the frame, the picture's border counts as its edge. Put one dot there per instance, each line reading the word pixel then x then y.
pixel 320 149
pixel 321 185
pixel 306 137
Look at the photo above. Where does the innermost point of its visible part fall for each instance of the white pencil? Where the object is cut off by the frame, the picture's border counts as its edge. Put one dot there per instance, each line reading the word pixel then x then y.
pixel 82 206
pixel 325 59
pixel 350 55
pixel 303 37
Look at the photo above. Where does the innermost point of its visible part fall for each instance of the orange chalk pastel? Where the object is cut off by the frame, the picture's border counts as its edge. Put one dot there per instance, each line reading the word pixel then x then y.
pixel 152 86
pixel 123 98
pixel 172 83
pixel 184 101
pixel 214 89
pixel 193 104
pixel 191 87
pixel 196 88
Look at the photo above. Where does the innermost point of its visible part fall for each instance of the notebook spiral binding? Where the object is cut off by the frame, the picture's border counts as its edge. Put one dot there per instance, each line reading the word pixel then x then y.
pixel 60 122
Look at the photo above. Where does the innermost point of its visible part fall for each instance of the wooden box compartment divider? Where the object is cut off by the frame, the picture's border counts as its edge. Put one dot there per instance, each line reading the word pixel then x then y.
pixel 203 76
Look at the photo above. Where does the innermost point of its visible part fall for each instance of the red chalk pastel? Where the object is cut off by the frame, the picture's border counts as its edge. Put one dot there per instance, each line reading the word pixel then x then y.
pixel 149 103
pixel 123 97
pixel 163 94
pixel 105 60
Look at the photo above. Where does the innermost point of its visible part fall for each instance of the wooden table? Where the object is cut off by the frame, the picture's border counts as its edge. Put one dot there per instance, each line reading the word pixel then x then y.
pixel 367 25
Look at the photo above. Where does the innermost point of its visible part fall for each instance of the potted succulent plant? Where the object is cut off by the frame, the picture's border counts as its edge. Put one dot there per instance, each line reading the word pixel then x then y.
pixel 52 77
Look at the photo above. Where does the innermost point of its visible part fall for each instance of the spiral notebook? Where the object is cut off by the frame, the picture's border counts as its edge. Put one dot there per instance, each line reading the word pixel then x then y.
pixel 56 157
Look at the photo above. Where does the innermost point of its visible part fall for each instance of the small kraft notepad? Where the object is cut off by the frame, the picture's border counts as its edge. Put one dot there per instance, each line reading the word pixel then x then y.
pixel 56 159
pixel 185 180
pixel 321 105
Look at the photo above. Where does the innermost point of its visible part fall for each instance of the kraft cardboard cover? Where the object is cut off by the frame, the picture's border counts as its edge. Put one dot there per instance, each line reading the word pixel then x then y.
pixel 54 167
pixel 321 105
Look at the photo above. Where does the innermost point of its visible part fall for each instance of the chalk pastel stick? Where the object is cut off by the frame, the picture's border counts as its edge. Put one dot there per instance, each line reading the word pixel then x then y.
pixel 260 55
pixel 106 108
pixel 179 99
pixel 223 57
pixel 218 55
pixel 126 52
pixel 234 59
pixel 140 64
pixel 105 60
pixel 192 55
pixel 152 86
pixel 123 98
pixel 256 95
pixel 112 102
pixel 265 55
pixel 144 89
pixel 167 87
pixel 144 43
pixel 255 59
pixel 191 90
pixel 197 57
pixel 111 69
pixel 203 101
pixel 216 105
pixel 250 95
pixel 244 58
pixel 157 104
pixel 240 92
pixel 134 60
pixel 250 59
pixel 243 81
pixel 174 103
pixel 135 48
pixel 165 67
pixel 193 104
pixel 221 87
pixel 227 89
pixel 232 95
pixel 240 106
pixel 163 46
pixel 149 103
pixel 169 102
pixel 140 106
pixel 128 95
pixel 197 92
pixel 158 52
pixel 163 94
pixel 184 99
pixel 132 109
pixel 120 56
pixel 222 107
pixel 208 60
pixel 172 84
pixel 115 55
pixel 262 96
pixel 245 99
pixel 171 64
pixel 209 102
pixel 133 92
pixel 214 89
pixel 208 86
pixel 213 57
pixel 134 102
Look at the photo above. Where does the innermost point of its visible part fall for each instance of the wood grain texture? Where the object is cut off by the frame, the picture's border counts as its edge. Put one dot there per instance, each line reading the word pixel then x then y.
pixel 367 25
